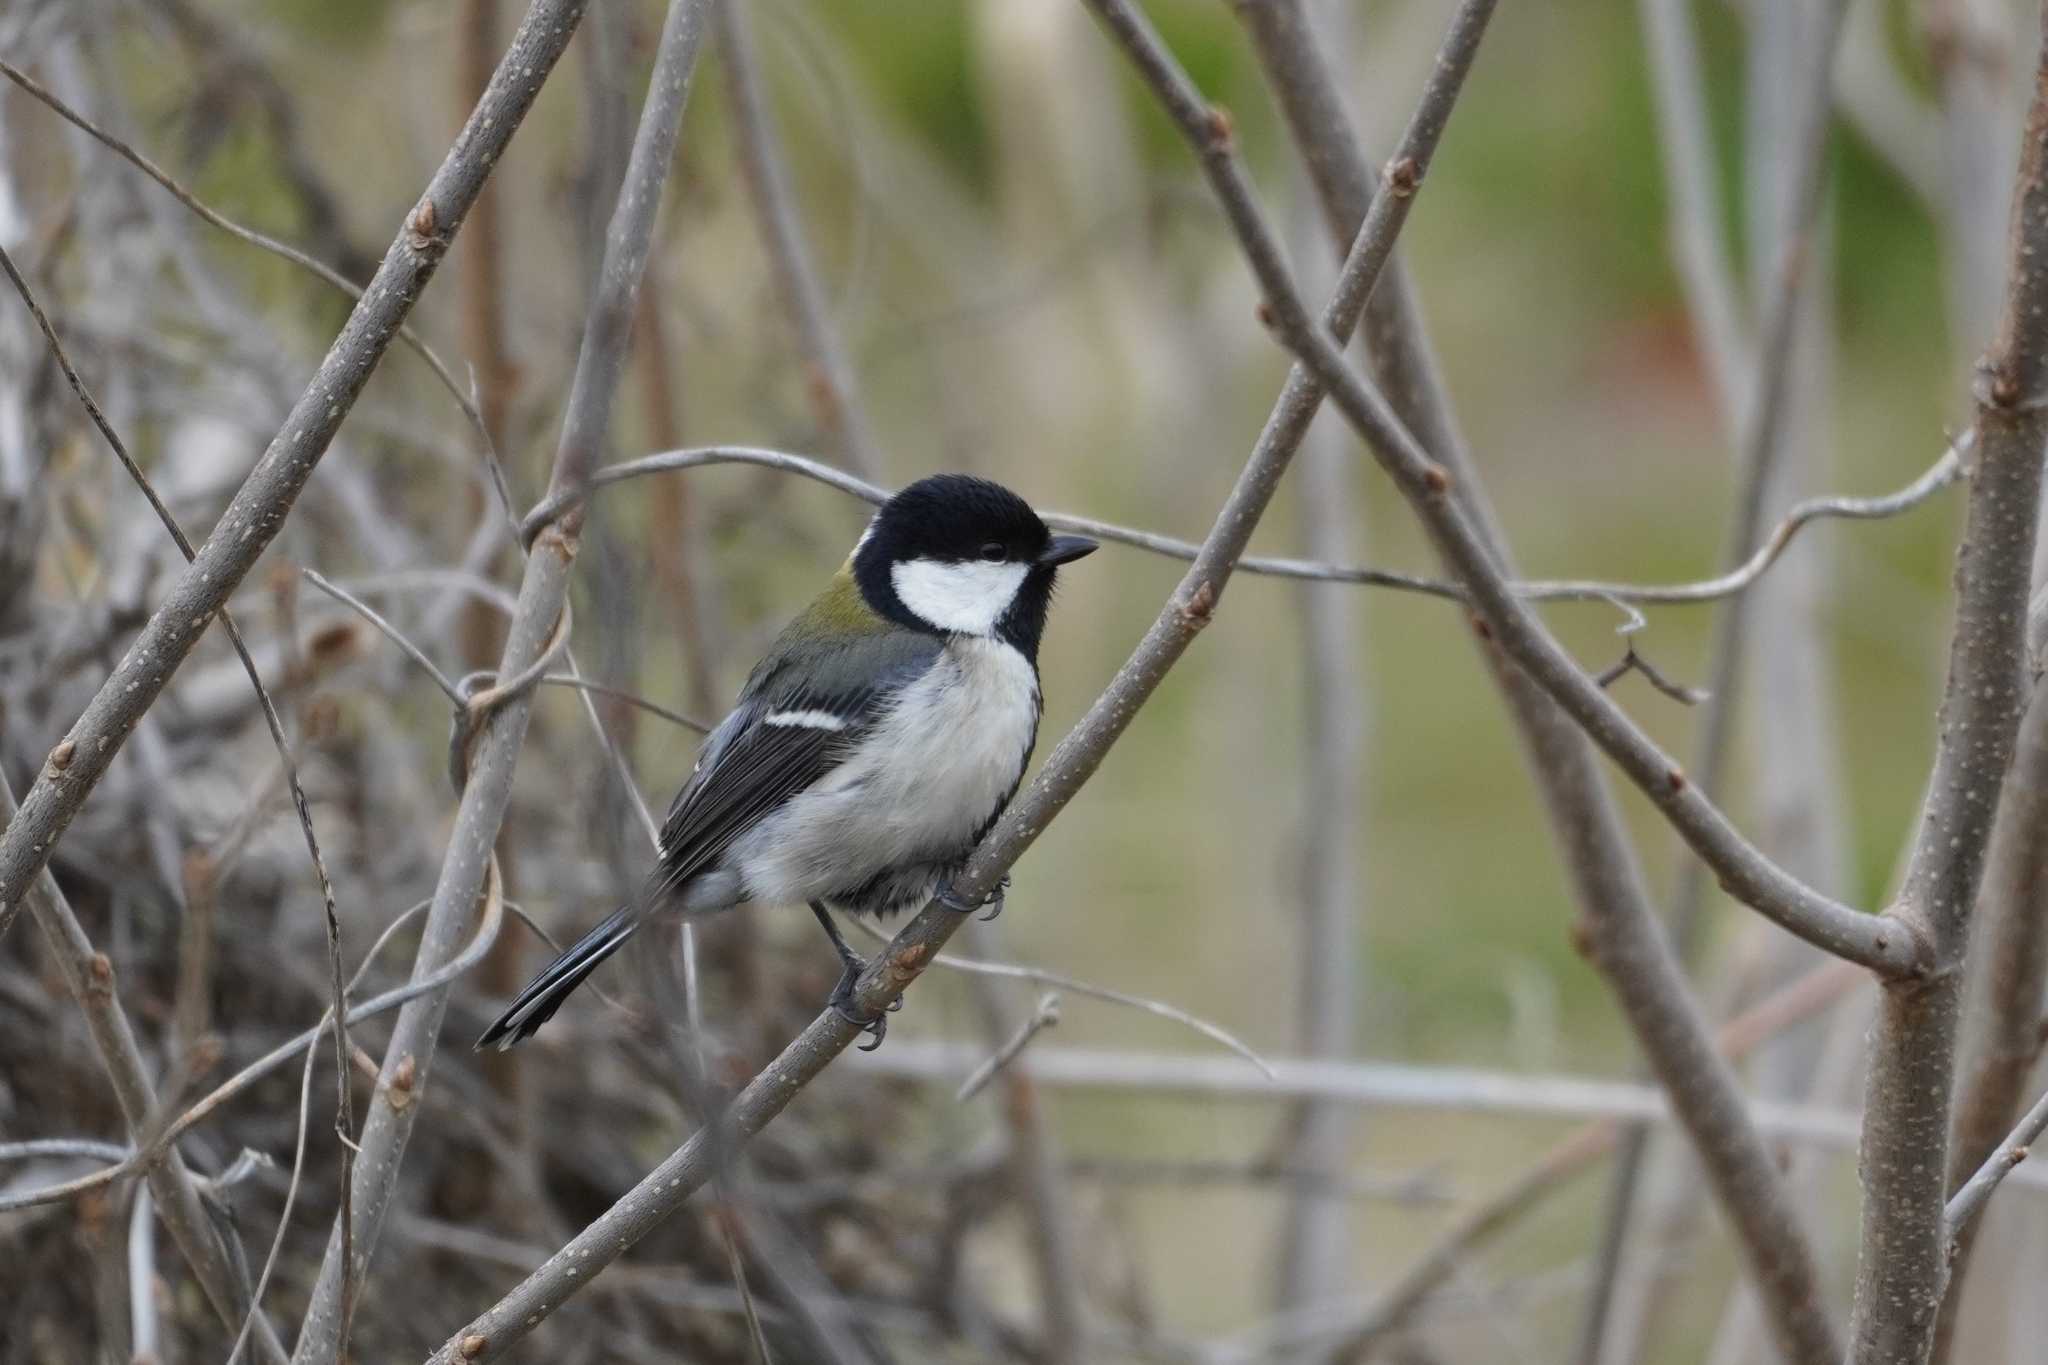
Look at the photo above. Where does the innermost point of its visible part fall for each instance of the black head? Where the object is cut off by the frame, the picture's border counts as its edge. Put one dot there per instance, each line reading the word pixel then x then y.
pixel 954 554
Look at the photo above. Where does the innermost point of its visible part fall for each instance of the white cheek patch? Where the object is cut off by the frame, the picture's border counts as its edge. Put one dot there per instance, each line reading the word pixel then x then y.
pixel 968 597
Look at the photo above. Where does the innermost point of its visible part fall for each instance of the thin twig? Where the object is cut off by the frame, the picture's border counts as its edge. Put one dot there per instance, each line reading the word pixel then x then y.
pixel 1312 1254
pixel 284 250
pixel 344 1112
pixel 1888 946
pixel 1903 1270
pixel 1947 469
pixel 1798 1000
pixel 89 976
pixel 1393 1084
pixel 1625 942
pixel 1632 661
pixel 291 1196
pixel 542 614
pixel 257 511
pixel 1965 1204
pixel 1070 765
pixel 1037 1171
pixel 1060 981
pixel 1691 180
pixel 828 372
pixel 2012 963
pixel 454 694
pixel 1041 1018
pixel 389 631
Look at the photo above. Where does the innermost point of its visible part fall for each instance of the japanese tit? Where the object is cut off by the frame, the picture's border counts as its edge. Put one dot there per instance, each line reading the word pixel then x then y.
pixel 885 731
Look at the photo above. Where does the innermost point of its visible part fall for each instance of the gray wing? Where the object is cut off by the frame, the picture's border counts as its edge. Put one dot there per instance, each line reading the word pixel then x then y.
pixel 754 762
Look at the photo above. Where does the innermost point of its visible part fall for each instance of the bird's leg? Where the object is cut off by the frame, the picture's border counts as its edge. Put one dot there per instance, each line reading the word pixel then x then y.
pixel 853 965
pixel 959 905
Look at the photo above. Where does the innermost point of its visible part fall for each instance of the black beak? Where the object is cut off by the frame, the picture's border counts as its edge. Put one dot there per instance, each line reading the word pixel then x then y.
pixel 1065 550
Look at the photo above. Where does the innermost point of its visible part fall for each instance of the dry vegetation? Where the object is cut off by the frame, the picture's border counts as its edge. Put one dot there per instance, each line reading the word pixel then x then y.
pixel 1302 877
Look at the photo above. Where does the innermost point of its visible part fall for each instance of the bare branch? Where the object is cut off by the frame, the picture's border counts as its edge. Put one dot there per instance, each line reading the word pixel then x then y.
pixel 1297 61
pixel 1790 99
pixel 1632 661
pixel 1817 990
pixel 1044 1016
pixel 1626 945
pixel 1969 1201
pixel 1036 1168
pixel 89 975
pixel 1070 765
pixel 1692 184
pixel 1947 469
pixel 344 1113
pixel 1313 1249
pixel 2012 962
pixel 827 370
pixel 1075 986
pixel 258 509
pixel 1903 1271
pixel 1889 947
pixel 283 250
pixel 492 748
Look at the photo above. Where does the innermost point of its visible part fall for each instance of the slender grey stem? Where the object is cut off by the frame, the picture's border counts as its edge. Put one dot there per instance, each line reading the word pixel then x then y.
pixel 259 508
pixel 1187 610
pixel 344 1112
pixel 1623 939
pixel 1042 1017
pixel 1966 1203
pixel 89 975
pixel 1969 44
pixel 1044 1196
pixel 1692 182
pixel 1885 945
pixel 1786 157
pixel 494 748
pixel 1074 985
pixel 283 250
pixel 1903 1271
pixel 2012 965
pixel 1394 1084
pixel 1946 470
pixel 828 371
pixel 1312 1254
pixel 1397 1303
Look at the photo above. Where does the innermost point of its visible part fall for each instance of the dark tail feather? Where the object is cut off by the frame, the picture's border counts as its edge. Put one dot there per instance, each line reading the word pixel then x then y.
pixel 545 993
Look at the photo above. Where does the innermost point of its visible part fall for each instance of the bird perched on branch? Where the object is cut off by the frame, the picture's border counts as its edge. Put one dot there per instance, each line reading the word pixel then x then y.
pixel 874 745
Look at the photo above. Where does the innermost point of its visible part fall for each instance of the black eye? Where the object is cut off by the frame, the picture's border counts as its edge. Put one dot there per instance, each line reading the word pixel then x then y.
pixel 993 552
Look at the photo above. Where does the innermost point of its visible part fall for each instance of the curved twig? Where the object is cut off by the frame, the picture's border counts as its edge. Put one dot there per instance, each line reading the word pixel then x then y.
pixel 1946 470
pixel 1061 981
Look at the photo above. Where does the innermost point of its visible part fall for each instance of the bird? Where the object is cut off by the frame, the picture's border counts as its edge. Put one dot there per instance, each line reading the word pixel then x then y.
pixel 879 738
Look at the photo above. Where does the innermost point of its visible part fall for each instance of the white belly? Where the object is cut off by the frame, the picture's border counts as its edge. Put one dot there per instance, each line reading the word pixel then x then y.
pixel 918 789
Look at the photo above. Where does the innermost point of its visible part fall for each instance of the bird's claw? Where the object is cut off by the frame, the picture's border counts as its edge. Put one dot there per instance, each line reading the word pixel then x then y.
pixel 876 1026
pixel 960 905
